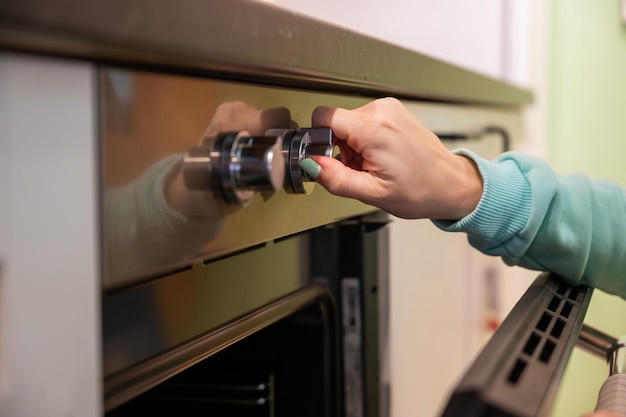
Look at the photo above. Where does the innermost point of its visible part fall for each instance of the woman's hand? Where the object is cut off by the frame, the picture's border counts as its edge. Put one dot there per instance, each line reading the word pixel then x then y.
pixel 602 414
pixel 390 160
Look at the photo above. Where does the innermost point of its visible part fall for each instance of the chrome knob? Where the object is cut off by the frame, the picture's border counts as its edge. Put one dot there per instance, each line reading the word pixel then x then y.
pixel 237 164
pixel 257 163
pixel 298 145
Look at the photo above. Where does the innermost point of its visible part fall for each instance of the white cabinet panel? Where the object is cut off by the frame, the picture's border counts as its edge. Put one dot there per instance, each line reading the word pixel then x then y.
pixel 445 295
pixel 49 282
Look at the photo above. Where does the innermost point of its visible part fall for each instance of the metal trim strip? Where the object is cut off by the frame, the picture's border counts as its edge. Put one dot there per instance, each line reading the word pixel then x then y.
pixel 241 40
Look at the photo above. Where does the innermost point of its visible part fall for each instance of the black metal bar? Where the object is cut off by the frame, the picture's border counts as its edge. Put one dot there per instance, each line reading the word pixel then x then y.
pixel 458 136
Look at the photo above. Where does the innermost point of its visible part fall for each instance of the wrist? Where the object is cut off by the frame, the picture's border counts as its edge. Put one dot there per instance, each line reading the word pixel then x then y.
pixel 470 189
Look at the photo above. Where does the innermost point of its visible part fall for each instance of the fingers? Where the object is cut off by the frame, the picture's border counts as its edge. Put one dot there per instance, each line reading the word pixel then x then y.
pixel 371 125
pixel 277 117
pixel 349 157
pixel 346 124
pixel 228 117
pixel 340 119
pixel 237 115
pixel 392 161
pixel 342 180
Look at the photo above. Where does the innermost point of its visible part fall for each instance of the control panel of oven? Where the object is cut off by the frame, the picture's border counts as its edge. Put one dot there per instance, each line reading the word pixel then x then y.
pixel 239 165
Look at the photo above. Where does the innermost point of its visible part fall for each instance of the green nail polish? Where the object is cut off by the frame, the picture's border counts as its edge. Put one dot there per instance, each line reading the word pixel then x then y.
pixel 311 167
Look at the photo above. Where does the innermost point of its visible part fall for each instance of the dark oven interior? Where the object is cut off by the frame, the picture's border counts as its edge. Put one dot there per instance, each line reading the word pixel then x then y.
pixel 286 369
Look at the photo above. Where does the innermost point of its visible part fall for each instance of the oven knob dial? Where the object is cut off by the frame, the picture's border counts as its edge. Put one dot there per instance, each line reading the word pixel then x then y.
pixel 237 164
pixel 299 144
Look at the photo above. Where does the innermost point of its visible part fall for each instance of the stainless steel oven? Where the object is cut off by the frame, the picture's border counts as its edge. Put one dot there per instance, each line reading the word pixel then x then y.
pixel 232 283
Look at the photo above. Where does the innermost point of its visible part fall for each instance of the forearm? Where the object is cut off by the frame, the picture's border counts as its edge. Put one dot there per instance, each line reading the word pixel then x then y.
pixel 141 227
pixel 532 217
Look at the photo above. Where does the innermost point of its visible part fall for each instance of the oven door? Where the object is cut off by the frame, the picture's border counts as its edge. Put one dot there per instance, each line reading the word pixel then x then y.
pixel 518 372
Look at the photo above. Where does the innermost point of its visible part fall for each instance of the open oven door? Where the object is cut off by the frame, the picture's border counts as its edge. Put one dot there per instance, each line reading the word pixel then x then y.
pixel 519 370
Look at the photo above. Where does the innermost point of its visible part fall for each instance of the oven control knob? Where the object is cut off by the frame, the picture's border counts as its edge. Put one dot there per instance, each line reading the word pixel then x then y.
pixel 298 145
pixel 237 164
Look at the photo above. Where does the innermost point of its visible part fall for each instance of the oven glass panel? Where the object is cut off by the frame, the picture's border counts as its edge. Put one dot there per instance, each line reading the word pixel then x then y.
pixel 286 369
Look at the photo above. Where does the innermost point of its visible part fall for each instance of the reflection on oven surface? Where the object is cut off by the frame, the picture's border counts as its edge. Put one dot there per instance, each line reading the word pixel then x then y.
pixel 195 169
pixel 283 370
pixel 177 205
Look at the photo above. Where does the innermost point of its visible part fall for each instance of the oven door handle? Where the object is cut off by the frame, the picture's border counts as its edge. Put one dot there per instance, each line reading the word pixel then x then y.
pixel 505 138
pixel 612 395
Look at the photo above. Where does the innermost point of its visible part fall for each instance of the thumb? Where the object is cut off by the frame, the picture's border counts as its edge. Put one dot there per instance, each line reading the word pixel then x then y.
pixel 339 179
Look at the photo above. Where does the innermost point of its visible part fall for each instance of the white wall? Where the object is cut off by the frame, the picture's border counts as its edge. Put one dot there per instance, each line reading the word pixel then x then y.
pixel 473 34
pixel 499 38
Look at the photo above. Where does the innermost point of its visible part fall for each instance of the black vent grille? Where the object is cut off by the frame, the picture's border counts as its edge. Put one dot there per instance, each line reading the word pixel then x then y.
pixel 543 339
pixel 517 372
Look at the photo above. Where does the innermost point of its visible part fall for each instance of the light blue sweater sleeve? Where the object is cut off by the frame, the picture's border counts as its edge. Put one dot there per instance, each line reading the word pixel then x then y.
pixel 531 216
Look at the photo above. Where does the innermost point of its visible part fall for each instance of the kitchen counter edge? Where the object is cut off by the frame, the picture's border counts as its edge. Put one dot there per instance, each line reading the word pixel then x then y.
pixel 241 40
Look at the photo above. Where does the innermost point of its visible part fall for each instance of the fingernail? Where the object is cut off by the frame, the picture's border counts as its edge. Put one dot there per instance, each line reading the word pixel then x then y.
pixel 311 167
